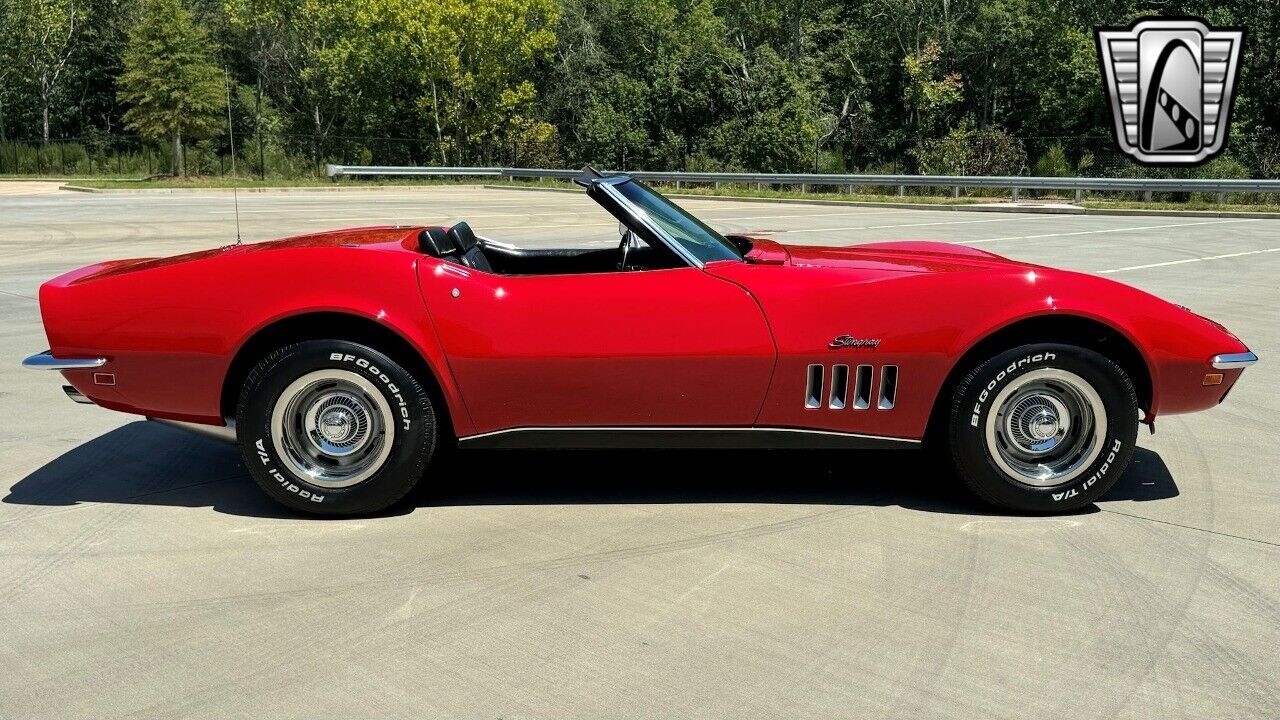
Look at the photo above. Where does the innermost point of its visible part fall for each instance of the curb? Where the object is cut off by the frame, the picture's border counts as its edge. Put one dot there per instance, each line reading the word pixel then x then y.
pixel 178 191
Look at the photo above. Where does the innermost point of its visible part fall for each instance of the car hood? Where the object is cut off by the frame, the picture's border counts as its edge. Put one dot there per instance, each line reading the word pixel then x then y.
pixel 910 256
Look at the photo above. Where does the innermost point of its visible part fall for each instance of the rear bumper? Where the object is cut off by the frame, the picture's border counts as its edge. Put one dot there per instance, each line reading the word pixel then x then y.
pixel 46 361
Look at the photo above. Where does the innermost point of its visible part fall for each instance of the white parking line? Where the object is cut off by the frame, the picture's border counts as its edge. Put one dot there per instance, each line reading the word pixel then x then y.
pixel 1184 261
pixel 902 225
pixel 1107 230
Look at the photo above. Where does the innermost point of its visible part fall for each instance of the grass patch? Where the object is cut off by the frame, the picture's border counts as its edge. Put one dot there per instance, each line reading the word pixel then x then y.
pixel 1175 206
pixel 220 182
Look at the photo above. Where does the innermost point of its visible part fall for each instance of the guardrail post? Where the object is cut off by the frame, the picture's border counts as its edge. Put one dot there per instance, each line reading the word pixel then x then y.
pixel 848 189
pixel 902 191
pixel 1222 197
pixel 955 191
pixel 1079 195
pixel 759 187
pixel 717 185
pixel 677 184
pixel 1015 194
pixel 804 188
pixel 1146 196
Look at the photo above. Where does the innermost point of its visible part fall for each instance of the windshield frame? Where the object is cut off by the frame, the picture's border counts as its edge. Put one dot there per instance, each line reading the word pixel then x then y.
pixel 638 219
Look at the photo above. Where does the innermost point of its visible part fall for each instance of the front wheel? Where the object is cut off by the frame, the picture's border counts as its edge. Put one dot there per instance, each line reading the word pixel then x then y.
pixel 1043 428
pixel 331 427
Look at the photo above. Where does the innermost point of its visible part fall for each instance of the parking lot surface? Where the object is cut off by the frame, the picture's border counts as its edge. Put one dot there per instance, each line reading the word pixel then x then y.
pixel 142 574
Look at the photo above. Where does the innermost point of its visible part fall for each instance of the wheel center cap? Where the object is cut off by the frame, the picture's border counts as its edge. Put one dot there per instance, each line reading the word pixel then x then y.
pixel 1044 425
pixel 336 425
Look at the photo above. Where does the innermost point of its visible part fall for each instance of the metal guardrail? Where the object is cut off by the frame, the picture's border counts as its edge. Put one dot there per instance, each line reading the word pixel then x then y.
pixel 804 181
pixel 410 171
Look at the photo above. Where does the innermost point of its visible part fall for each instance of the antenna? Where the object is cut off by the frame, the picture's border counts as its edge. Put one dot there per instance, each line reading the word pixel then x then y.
pixel 231 132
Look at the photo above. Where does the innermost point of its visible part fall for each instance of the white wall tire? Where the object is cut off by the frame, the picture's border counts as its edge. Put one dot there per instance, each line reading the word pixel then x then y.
pixel 1043 428
pixel 331 427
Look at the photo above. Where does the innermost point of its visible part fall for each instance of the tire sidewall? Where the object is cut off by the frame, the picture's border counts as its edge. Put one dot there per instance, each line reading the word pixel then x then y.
pixel 411 447
pixel 975 403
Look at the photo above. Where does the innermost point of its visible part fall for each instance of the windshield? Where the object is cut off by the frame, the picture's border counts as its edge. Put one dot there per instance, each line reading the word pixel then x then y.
pixel 693 235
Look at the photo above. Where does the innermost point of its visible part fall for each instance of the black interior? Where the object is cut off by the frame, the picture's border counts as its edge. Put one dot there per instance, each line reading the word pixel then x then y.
pixel 460 245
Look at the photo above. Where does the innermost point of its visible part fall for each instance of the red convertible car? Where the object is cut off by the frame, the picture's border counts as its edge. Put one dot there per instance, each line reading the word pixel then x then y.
pixel 341 362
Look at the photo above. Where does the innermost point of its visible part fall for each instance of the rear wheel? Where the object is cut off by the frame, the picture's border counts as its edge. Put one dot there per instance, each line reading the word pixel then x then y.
pixel 1043 428
pixel 334 428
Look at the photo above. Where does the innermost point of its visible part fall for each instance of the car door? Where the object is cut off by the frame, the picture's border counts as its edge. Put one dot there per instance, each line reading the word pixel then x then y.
pixel 672 347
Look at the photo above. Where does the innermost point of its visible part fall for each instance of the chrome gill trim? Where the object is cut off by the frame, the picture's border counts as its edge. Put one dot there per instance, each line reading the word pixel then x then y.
pixel 888 387
pixel 839 387
pixel 814 382
pixel 1233 361
pixel 46 361
pixel 862 387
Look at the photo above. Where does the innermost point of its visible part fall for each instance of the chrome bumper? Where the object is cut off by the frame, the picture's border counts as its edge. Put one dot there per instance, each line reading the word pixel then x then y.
pixel 1233 361
pixel 46 361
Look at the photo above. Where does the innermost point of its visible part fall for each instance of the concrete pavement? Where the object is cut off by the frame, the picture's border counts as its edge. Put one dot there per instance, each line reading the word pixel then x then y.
pixel 142 574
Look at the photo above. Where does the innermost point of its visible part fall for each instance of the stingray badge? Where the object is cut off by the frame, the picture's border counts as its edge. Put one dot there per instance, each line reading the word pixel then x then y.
pixel 1170 82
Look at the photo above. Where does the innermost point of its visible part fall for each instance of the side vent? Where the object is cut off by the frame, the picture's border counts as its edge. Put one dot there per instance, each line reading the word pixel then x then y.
pixel 839 387
pixel 862 388
pixel 813 390
pixel 888 387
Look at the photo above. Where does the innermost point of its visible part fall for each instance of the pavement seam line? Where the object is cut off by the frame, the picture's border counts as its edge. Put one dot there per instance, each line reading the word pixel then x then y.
pixel 1107 230
pixel 1191 527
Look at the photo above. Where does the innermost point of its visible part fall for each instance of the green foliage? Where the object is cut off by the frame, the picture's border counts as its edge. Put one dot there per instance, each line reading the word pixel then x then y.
pixel 1054 163
pixel 170 83
pixel 969 151
pixel 828 85
pixel 929 91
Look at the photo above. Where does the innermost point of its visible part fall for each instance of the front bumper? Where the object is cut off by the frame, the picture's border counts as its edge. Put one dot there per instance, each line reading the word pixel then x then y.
pixel 1234 361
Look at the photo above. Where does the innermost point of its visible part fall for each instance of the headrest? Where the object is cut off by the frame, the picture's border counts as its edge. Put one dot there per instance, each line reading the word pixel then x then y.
pixel 463 237
pixel 435 241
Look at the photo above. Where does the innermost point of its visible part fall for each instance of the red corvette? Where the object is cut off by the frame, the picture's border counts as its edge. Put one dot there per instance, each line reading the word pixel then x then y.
pixel 341 362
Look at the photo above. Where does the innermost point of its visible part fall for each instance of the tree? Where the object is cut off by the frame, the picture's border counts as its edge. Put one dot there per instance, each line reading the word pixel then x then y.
pixel 170 82
pixel 473 63
pixel 43 38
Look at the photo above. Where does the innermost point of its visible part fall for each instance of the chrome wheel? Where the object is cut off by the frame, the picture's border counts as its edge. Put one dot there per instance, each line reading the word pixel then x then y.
pixel 1046 427
pixel 332 427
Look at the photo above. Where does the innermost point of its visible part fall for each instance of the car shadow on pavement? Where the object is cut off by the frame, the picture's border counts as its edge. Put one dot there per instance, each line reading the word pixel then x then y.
pixel 151 464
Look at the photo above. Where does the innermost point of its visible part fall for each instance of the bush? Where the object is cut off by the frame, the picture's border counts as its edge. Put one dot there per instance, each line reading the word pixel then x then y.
pixel 968 151
pixel 1054 163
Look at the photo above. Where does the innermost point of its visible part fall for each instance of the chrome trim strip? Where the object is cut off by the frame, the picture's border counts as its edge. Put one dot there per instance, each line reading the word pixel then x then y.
pixel 1232 361
pixel 679 438
pixel 46 361
pixel 226 433
pixel 660 428
pixel 76 395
